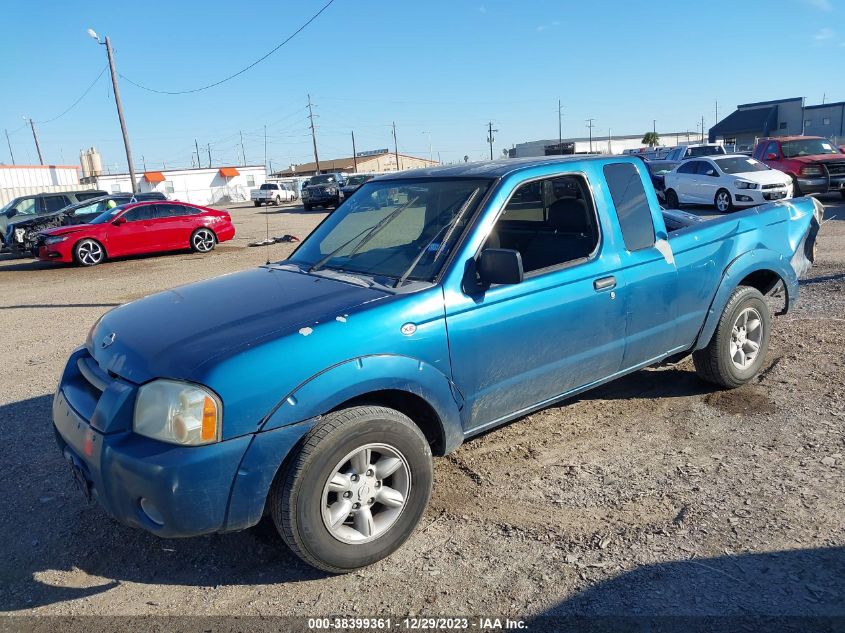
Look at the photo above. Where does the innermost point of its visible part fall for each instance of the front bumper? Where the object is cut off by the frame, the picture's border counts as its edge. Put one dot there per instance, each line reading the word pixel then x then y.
pixel 754 197
pixel 166 489
pixel 813 185
pixel 61 252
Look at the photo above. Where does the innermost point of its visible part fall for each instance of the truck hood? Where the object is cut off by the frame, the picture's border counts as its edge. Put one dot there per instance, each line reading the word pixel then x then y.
pixel 819 158
pixel 172 333
pixel 64 230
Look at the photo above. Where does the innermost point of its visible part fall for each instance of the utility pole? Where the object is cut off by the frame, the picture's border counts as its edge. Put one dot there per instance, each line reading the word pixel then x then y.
pixel 702 129
pixel 717 111
pixel 430 151
pixel 197 145
pixel 591 126
pixel 490 138
pixel 395 146
pixel 9 143
pixel 314 134
pixel 143 162
pixel 243 151
pixel 354 154
pixel 35 138
pixel 265 147
pixel 609 141
pixel 559 128
pixel 209 155
pixel 119 105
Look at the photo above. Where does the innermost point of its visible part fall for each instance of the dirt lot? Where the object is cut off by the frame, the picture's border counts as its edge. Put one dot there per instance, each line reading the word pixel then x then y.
pixel 653 495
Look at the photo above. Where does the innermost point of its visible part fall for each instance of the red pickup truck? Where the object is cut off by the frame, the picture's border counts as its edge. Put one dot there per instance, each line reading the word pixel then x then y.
pixel 815 164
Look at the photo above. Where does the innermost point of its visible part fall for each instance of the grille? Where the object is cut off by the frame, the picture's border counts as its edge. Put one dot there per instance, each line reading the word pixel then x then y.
pixel 775 186
pixel 836 169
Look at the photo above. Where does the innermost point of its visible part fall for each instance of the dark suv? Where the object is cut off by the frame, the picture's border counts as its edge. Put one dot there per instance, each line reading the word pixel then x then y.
pixel 323 190
pixel 41 204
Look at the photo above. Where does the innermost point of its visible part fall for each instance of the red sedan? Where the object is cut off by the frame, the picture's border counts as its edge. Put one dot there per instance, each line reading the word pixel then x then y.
pixel 137 228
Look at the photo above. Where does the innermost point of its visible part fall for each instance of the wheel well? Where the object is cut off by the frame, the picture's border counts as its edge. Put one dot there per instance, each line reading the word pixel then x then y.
pixel 90 239
pixel 412 405
pixel 765 281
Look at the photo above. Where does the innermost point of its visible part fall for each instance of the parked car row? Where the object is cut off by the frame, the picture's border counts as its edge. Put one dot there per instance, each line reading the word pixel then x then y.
pixel 272 193
pixel 41 204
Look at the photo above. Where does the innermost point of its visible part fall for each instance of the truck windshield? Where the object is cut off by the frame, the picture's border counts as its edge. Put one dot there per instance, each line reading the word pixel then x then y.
pixel 737 165
pixel 808 147
pixel 322 180
pixel 267 186
pixel 400 229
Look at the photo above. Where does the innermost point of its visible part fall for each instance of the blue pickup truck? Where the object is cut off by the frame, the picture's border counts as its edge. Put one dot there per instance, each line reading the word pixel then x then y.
pixel 432 306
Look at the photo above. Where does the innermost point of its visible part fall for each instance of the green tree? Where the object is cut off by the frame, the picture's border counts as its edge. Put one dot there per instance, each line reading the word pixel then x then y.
pixel 651 139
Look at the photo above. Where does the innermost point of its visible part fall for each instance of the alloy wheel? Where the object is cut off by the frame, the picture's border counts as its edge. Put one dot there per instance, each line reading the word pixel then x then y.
pixel 746 337
pixel 723 201
pixel 365 493
pixel 203 240
pixel 90 253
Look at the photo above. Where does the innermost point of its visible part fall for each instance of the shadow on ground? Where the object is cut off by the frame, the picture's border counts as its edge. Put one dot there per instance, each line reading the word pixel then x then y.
pixel 795 590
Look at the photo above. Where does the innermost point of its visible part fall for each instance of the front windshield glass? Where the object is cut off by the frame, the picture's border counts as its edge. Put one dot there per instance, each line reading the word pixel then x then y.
pixel 736 165
pixel 808 147
pixel 322 180
pixel 357 180
pixel 394 228
pixel 108 216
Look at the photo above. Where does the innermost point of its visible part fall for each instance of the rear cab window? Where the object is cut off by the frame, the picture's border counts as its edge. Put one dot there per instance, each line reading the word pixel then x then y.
pixel 631 204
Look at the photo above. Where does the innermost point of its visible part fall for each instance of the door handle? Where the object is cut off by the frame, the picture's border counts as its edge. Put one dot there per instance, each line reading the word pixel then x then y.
pixel 604 283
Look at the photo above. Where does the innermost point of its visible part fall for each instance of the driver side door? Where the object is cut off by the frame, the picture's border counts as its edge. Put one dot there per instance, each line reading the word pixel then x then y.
pixel 516 347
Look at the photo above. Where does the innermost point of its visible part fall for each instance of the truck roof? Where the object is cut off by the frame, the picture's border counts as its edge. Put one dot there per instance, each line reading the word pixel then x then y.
pixel 499 168
pixel 794 137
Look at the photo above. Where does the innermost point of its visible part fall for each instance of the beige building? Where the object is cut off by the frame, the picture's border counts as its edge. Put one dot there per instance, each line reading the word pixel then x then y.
pixel 375 162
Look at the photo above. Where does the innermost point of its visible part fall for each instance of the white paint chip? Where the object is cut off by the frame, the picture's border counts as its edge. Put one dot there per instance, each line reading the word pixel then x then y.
pixel 305 331
pixel 342 319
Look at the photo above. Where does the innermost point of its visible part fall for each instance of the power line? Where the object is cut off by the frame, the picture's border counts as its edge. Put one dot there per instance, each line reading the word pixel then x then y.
pixel 81 97
pixel 240 72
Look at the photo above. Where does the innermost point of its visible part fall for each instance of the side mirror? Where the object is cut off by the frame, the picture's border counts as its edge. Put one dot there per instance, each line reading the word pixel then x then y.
pixel 500 266
pixel 119 221
pixel 771 156
pixel 11 213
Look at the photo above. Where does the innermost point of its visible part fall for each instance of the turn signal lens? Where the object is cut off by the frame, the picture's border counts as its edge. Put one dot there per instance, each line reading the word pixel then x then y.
pixel 209 420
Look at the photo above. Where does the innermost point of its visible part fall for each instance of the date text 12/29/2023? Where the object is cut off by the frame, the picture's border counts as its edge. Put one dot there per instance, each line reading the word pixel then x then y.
pixel 416 624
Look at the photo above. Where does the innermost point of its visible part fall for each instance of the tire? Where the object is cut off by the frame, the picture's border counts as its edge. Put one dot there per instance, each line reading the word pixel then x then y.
pixel 89 252
pixel 723 201
pixel 277 201
pixel 796 189
pixel 203 240
pixel 306 206
pixel 672 199
pixel 256 203
pixel 301 501
pixel 716 363
pixel 842 193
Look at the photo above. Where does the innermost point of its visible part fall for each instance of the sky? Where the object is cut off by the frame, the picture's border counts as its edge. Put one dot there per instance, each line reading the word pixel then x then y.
pixel 441 70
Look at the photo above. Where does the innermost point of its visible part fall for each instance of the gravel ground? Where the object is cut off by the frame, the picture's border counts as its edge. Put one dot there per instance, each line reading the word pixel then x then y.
pixel 655 494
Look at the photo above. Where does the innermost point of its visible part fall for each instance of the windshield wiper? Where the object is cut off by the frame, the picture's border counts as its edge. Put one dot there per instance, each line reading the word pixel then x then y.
pixel 372 233
pixel 450 226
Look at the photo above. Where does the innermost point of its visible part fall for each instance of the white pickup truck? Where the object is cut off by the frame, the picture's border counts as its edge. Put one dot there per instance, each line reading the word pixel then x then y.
pixel 272 193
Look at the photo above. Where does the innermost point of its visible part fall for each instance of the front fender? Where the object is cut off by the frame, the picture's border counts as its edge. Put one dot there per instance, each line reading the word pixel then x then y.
pixel 742 266
pixel 359 376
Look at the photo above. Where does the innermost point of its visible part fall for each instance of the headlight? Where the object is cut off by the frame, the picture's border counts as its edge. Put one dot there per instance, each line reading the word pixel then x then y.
pixel 54 240
pixel 177 412
pixel 744 184
pixel 331 190
pixel 813 170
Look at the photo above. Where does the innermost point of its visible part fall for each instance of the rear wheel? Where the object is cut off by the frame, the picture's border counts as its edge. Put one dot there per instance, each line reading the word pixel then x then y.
pixel 277 201
pixel 355 490
pixel 89 252
pixel 203 240
pixel 306 206
pixel 672 199
pixel 723 201
pixel 736 352
pixel 256 203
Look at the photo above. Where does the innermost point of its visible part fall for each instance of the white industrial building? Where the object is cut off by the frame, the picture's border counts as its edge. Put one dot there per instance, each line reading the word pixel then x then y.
pixel 597 144
pixel 23 180
pixel 205 186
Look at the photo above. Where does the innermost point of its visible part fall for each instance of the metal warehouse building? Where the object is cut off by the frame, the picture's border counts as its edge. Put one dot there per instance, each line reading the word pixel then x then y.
pixel 372 162
pixel 780 117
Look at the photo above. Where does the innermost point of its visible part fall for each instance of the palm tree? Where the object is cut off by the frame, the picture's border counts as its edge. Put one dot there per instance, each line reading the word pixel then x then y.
pixel 651 139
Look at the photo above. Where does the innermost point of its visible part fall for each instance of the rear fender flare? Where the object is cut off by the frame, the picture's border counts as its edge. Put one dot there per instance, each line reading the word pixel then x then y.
pixel 367 374
pixel 745 264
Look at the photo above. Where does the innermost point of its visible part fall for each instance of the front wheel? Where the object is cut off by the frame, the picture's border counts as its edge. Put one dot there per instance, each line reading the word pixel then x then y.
pixel 256 203
pixel 355 490
pixel 736 352
pixel 672 199
pixel 203 240
pixel 796 189
pixel 89 252
pixel 307 206
pixel 277 201
pixel 723 201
